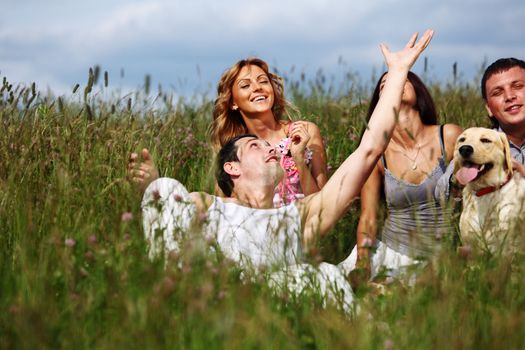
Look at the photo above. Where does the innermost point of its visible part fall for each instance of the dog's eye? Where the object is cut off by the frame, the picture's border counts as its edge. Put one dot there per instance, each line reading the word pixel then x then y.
pixel 484 140
pixel 461 139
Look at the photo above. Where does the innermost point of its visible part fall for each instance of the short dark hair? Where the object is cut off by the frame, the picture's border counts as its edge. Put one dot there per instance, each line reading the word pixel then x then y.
pixel 228 153
pixel 424 102
pixel 498 66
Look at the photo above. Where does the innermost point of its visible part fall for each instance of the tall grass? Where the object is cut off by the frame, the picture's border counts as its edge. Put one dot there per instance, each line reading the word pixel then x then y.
pixel 73 263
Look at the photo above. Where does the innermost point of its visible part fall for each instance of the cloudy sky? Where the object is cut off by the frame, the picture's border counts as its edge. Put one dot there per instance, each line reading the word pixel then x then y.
pixel 186 45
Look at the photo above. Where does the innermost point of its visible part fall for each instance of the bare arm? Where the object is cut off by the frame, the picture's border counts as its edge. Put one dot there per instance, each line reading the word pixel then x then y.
pixel 202 201
pixel 367 226
pixel 450 135
pixel 322 210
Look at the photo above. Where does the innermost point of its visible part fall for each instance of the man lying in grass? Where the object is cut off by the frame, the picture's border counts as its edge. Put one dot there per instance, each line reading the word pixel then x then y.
pixel 245 225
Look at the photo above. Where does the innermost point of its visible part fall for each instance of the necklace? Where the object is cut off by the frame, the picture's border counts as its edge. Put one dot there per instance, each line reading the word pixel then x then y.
pixel 413 160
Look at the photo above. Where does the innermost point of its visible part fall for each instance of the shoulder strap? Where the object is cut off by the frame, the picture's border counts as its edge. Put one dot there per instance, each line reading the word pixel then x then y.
pixel 441 140
pixel 383 160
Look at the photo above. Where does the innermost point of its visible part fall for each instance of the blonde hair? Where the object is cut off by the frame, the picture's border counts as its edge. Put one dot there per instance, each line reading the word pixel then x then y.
pixel 228 123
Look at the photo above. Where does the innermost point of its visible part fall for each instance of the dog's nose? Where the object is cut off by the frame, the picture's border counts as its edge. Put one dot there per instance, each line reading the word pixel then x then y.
pixel 466 151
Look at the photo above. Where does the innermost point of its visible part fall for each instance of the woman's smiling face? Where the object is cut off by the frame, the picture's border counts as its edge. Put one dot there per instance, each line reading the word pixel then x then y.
pixel 252 91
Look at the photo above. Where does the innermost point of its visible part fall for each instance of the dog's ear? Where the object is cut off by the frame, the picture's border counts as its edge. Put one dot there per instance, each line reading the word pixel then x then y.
pixel 506 152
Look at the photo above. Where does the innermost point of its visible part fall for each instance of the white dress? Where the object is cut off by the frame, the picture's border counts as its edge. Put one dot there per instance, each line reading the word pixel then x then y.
pixel 257 239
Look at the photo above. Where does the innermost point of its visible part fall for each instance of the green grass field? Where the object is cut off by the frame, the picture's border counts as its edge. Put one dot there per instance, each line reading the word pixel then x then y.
pixel 74 272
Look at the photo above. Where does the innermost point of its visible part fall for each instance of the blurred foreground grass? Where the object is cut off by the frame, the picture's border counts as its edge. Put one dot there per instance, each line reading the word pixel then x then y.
pixel 73 264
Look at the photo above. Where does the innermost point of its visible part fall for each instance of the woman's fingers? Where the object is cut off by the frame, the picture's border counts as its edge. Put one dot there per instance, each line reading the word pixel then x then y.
pixel 425 39
pixel 412 40
pixel 408 55
pixel 299 134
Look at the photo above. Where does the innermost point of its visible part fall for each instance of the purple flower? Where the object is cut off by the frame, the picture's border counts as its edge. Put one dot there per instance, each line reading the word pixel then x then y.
pixel 70 242
pixel 127 216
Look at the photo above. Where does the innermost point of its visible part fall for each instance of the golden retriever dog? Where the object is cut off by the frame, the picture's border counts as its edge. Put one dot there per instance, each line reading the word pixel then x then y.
pixel 493 196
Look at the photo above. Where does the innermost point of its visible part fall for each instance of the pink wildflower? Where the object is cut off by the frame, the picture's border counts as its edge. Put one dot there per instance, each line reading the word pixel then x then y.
pixel 203 217
pixel 92 239
pixel 156 195
pixel 70 242
pixel 367 243
pixel 388 344
pixel 127 216
pixel 465 250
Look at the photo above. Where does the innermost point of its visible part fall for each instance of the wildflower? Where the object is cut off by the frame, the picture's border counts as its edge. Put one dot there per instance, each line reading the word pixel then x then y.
pixel 173 256
pixel 203 217
pixel 92 239
pixel 464 251
pixel 70 242
pixel 156 195
pixel 352 135
pixel 14 309
pixel 168 286
pixel 89 255
pixel 388 344
pixel 127 216
pixel 209 239
pixel 367 243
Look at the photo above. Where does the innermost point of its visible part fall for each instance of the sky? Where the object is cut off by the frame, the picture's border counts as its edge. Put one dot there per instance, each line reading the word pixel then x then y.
pixel 186 45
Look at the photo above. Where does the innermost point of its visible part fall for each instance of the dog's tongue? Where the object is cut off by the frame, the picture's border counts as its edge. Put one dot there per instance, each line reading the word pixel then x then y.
pixel 466 174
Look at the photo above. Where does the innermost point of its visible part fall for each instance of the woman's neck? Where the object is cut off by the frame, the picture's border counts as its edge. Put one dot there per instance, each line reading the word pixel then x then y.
pixel 409 130
pixel 265 126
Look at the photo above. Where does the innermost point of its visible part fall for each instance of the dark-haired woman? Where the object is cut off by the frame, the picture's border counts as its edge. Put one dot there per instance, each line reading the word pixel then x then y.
pixel 406 175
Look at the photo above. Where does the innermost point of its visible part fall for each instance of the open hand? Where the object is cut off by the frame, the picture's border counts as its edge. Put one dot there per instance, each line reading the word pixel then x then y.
pixel 405 58
pixel 142 173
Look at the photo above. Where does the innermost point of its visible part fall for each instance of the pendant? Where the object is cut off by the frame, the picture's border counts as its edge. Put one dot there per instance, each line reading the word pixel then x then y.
pixel 414 166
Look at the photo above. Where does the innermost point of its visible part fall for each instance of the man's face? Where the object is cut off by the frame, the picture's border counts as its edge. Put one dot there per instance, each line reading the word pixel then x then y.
pixel 258 160
pixel 506 98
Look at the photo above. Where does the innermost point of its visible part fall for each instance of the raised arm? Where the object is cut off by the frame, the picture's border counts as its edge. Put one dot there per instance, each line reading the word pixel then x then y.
pixel 322 210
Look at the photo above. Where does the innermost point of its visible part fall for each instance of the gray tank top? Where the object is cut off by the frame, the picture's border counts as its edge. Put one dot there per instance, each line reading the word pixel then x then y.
pixel 415 222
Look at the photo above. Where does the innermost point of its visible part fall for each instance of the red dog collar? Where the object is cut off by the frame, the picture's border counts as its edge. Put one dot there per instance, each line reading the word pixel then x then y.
pixel 490 189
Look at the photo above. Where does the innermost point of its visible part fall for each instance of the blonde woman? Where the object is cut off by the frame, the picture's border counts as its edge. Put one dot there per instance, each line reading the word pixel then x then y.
pixel 251 101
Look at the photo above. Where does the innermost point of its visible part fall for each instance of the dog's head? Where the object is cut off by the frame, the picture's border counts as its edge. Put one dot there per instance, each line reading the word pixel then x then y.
pixel 482 158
